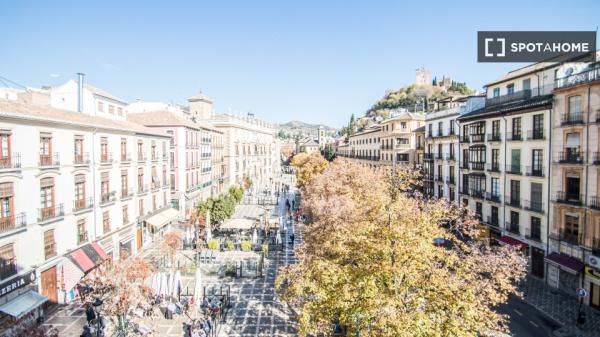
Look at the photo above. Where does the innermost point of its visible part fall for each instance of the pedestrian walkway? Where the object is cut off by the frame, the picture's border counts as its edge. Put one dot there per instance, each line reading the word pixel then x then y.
pixel 563 309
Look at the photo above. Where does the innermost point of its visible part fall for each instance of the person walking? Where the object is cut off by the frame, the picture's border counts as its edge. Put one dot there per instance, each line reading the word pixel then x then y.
pixel 292 237
pixel 90 315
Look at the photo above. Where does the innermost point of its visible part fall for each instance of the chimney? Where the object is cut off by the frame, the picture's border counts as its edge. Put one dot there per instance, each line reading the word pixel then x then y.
pixel 80 92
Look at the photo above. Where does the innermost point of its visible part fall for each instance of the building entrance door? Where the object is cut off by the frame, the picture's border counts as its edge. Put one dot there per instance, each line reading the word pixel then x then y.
pixel 48 282
pixel 537 262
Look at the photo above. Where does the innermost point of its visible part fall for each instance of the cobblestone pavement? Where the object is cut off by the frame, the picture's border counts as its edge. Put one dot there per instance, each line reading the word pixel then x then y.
pixel 562 308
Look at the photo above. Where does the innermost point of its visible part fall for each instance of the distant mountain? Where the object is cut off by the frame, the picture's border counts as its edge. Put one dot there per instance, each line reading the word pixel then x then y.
pixel 292 128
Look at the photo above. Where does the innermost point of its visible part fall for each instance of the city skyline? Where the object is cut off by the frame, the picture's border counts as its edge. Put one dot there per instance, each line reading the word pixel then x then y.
pixel 264 58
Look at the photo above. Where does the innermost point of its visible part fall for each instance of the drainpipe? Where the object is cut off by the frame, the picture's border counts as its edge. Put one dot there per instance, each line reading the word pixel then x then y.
pixel 549 179
pixel 587 156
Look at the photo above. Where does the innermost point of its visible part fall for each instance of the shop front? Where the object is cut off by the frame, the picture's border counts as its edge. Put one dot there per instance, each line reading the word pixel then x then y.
pixel 159 223
pixel 77 264
pixel 592 284
pixel 564 272
pixel 19 301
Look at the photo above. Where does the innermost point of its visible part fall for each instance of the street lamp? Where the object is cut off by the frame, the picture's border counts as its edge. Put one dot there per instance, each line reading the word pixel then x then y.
pixel 97 304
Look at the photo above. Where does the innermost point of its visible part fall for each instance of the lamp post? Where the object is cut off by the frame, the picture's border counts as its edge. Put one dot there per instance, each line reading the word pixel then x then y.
pixel 97 304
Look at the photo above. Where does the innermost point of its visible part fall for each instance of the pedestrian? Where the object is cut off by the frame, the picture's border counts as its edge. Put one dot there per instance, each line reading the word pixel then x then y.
pixel 86 332
pixel 292 237
pixel 90 315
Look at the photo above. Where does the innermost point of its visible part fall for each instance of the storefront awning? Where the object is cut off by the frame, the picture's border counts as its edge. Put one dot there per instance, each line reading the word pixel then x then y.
pixel 23 304
pixel 566 263
pixel 82 260
pixel 100 251
pixel 161 219
pixel 88 256
pixel 513 242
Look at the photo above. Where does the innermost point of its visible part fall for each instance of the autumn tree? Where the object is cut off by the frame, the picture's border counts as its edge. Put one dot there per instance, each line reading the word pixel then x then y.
pixel 120 284
pixel 308 166
pixel 369 262
pixel 171 243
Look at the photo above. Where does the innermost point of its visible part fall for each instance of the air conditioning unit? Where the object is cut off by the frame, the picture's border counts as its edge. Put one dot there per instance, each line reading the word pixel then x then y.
pixel 594 261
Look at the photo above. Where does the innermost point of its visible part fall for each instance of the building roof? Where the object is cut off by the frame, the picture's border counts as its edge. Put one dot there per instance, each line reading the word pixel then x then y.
pixel 310 142
pixel 161 118
pixel 534 102
pixel 420 129
pixel 100 92
pixel 50 114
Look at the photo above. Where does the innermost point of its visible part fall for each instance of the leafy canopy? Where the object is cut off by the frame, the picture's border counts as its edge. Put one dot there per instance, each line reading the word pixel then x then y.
pixel 368 261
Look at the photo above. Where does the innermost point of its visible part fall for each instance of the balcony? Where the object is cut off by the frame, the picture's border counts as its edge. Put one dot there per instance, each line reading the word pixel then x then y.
pixel 596 158
pixel 11 162
pixel 428 177
pixel 477 166
pixel 570 237
pixel 155 185
pixel 493 167
pixel 464 139
pixel 477 193
pixel 107 198
pixel 450 157
pixel 514 136
pixel 536 135
pixel 82 204
pixel 142 189
pixel 428 156
pixel 81 159
pixel 464 165
pixel 533 171
pixel 568 198
pixel 513 169
pixel 13 222
pixel 594 203
pixel 125 157
pixel 440 133
pixel 50 213
pixel 504 99
pixel 439 178
pixel 571 118
pixel 587 76
pixel 513 202
pixel 106 158
pixel 571 156
pixel 533 206
pixel 439 156
pixel 126 192
pixel 512 227
pixel 478 138
pixel 142 157
pixel 450 180
pixel 49 160
pixel 492 221
pixel 596 246
pixel 493 137
pixel 493 197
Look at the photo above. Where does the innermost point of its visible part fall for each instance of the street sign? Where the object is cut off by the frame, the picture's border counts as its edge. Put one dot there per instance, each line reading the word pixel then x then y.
pixel 581 292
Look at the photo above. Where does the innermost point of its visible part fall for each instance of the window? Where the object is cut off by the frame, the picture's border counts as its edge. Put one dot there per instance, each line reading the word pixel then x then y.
pixel 106 222
pixel 78 149
pixel 155 182
pixel 496 92
pixel 495 159
pixel 111 109
pixel 571 230
pixel 49 244
pixel 575 105
pixel 140 150
pixel 536 228
pixel 120 111
pixel 527 84
pixel 8 261
pixel 515 155
pixel 536 197
pixel 101 106
pixel 401 156
pixel 124 149
pixel 515 192
pixel 479 209
pixel 516 128
pixel 125 215
pixel 496 130
pixel 47 198
pixel 153 151
pixel 451 173
pixel 153 202
pixel 80 191
pixel 81 232
pixel 6 206
pixel 477 157
pixel 495 188
pixel 510 89
pixel 104 187
pixel 45 149
pixel 124 184
pixel 451 192
pixel 104 149
pixel 5 158
pixel 140 179
pixel 440 128
pixel 164 175
pixel 538 126
pixel 537 157
pixel 477 185
pixel 494 220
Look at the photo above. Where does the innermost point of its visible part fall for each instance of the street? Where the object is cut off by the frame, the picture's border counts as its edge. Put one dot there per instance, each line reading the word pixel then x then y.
pixel 525 320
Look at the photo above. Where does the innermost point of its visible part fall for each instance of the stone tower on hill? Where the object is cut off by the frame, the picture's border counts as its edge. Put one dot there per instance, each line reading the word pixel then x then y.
pixel 423 76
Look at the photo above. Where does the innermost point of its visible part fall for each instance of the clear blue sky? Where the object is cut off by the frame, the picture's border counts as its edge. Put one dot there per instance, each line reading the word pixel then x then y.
pixel 316 61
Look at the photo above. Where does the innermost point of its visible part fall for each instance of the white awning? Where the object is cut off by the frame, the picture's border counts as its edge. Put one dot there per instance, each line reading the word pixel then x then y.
pixel 239 224
pixel 161 219
pixel 23 304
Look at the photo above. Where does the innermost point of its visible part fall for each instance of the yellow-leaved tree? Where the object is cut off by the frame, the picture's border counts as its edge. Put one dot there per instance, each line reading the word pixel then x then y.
pixel 369 262
pixel 308 166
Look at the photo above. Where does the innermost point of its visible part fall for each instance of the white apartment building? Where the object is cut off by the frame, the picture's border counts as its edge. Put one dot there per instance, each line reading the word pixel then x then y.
pixel 441 153
pixel 74 187
pixel 505 155
pixel 399 139
pixel 363 147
